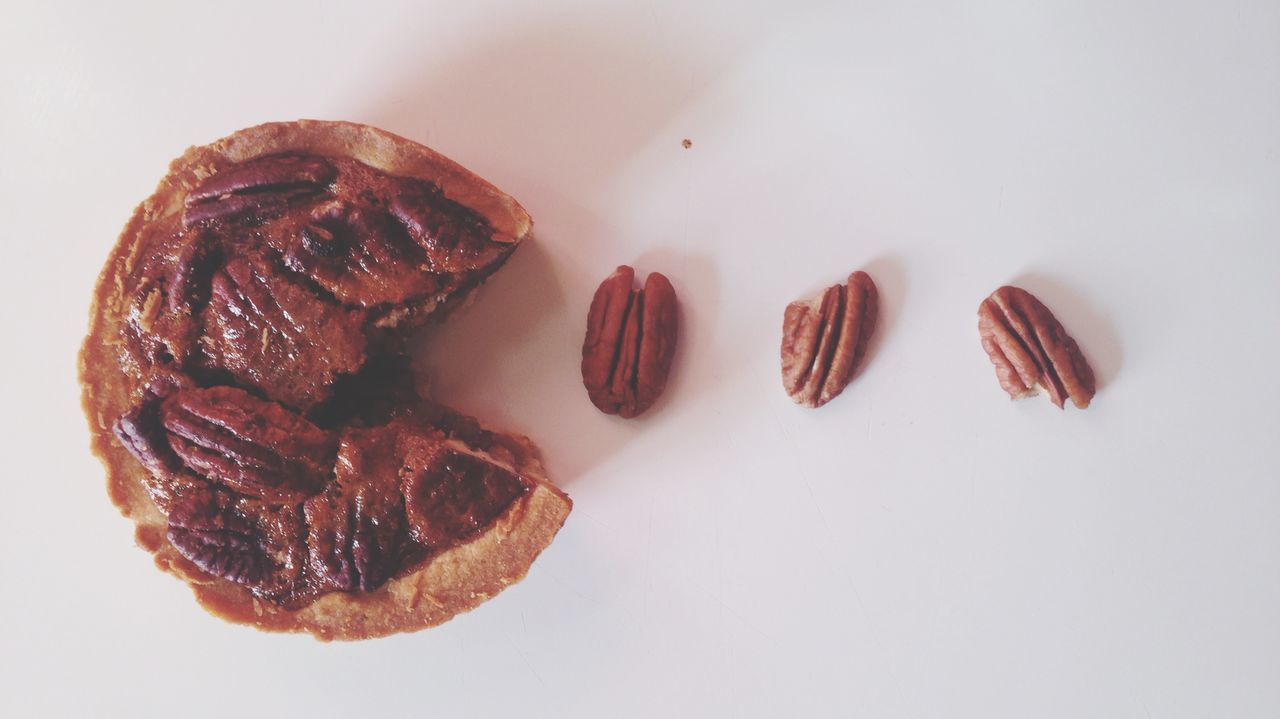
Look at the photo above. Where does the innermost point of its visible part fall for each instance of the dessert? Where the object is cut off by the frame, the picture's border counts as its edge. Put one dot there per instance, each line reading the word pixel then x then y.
pixel 250 396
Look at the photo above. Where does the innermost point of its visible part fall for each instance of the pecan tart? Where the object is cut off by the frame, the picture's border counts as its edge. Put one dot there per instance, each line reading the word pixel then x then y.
pixel 248 390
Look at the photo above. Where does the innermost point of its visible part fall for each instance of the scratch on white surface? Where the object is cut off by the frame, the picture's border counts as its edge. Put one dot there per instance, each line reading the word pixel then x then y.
pixel 817 507
pixel 685 233
pixel 648 532
pixel 723 606
pixel 646 598
pixel 718 544
pixel 461 651
pixel 785 431
pixel 525 658
pixel 825 548
pixel 866 615
pixel 582 513
pixel 567 585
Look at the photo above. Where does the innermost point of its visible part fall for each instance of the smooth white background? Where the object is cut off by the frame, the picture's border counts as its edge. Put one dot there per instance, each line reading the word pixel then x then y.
pixel 921 547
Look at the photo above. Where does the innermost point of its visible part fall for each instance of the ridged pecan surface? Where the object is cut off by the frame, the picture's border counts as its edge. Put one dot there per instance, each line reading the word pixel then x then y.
pixel 1031 350
pixel 824 339
pixel 631 338
pixel 250 445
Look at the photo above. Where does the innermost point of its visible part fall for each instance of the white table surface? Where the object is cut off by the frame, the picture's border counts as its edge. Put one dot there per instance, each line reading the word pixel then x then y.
pixel 921 547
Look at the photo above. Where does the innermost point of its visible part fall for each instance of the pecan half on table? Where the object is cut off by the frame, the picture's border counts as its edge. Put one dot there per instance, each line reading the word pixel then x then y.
pixel 1031 350
pixel 824 339
pixel 631 337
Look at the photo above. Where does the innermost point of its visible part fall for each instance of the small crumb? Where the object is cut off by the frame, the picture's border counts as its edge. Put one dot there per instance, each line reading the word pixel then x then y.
pixel 686 143
pixel 150 310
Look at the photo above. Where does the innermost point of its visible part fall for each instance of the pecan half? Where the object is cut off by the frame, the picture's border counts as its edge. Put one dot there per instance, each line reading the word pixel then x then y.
pixel 356 533
pixel 1030 349
pixel 259 188
pixel 824 339
pixel 205 530
pixel 239 539
pixel 451 496
pixel 274 334
pixel 167 287
pixel 188 289
pixel 454 238
pixel 355 539
pixel 255 447
pixel 631 337
pixel 361 255
pixel 168 330
pixel 140 431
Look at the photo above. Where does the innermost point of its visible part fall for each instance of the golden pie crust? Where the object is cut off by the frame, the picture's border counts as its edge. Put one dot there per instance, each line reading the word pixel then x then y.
pixel 453 581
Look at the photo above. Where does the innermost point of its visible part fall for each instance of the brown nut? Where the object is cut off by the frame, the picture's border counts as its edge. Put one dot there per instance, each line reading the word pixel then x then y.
pixel 824 339
pixel 454 238
pixel 360 255
pixel 631 337
pixel 263 186
pixel 451 496
pixel 253 446
pixel 271 332
pixel 1031 350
